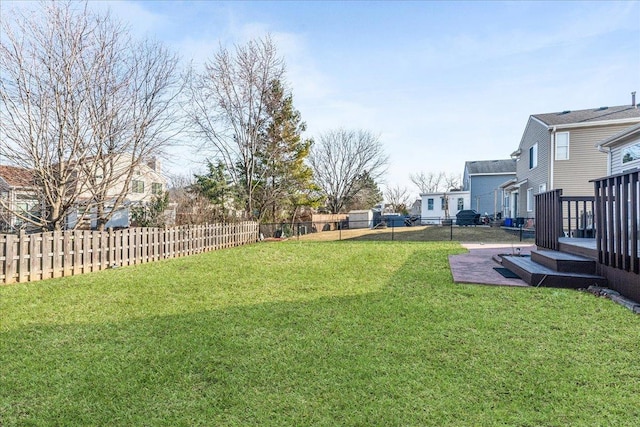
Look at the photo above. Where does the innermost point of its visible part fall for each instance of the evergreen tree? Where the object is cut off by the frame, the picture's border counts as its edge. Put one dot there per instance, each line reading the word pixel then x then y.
pixel 365 194
pixel 285 181
pixel 217 188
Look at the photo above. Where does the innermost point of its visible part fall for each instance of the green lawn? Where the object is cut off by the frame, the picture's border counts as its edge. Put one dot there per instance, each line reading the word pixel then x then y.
pixel 312 333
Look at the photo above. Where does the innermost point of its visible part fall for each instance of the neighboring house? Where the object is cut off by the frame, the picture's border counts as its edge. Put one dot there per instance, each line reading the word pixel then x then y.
pixel 483 179
pixel 558 151
pixel 147 182
pixel 18 194
pixel 623 150
pixel 434 205
pixel 416 208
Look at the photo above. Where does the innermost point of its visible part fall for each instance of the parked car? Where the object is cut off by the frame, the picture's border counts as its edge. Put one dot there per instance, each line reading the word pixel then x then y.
pixel 467 217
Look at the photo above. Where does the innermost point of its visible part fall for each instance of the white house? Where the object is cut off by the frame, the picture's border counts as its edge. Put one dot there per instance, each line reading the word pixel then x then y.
pixel 147 181
pixel 434 205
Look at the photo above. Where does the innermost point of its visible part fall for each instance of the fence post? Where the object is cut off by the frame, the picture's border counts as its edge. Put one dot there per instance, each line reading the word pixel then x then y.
pixel 521 225
pixel 451 230
pixel 23 251
pixel 10 263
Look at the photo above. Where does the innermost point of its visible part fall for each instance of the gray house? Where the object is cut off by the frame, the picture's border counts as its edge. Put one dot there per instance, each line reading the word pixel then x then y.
pixel 558 151
pixel 623 149
pixel 483 178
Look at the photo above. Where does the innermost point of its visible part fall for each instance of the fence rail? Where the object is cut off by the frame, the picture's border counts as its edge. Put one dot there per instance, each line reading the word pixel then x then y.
pixel 31 257
pixel 618 217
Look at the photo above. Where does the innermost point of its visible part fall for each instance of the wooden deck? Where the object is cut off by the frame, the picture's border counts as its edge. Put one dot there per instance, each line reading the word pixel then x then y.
pixel 579 246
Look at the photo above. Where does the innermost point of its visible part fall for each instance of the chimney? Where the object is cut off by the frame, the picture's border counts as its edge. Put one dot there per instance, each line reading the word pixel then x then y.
pixel 633 99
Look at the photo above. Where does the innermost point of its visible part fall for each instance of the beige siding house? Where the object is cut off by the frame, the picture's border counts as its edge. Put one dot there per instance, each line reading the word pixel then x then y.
pixel 146 182
pixel 558 151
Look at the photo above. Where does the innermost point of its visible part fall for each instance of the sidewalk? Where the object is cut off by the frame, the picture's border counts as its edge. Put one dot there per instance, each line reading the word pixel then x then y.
pixel 476 267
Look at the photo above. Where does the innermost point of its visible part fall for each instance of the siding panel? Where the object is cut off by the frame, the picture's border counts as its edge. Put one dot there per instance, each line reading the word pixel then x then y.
pixel 585 161
pixel 534 133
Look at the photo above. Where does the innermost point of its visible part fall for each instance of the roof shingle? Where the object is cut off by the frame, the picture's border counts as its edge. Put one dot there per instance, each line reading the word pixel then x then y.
pixel 590 115
pixel 16 177
pixel 486 167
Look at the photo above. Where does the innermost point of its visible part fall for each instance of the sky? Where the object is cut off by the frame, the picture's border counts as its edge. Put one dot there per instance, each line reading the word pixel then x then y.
pixel 439 82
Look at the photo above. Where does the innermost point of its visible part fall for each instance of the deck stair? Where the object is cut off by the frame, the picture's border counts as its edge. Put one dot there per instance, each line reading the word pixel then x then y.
pixel 555 269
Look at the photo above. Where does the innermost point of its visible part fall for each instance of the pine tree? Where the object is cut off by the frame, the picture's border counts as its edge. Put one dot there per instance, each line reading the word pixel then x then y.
pixel 285 181
pixel 215 186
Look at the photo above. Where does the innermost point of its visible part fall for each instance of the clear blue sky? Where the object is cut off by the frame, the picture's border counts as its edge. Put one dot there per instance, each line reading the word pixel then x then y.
pixel 440 82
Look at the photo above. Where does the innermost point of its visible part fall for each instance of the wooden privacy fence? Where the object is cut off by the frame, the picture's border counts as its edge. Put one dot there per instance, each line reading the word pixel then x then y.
pixel 30 257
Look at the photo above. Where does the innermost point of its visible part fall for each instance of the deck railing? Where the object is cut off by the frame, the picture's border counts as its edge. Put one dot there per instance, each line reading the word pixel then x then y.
pixel 563 216
pixel 578 216
pixel 548 209
pixel 617 220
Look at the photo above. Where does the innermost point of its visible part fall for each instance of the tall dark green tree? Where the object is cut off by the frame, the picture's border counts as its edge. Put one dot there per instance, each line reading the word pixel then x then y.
pixel 365 193
pixel 285 181
pixel 217 187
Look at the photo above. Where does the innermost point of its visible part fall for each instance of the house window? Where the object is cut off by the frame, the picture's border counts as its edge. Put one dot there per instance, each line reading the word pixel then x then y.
pixel 156 188
pixel 443 203
pixel 562 146
pixel 542 188
pixel 530 200
pixel 429 204
pixel 137 186
pixel 460 203
pixel 631 153
pixel 533 156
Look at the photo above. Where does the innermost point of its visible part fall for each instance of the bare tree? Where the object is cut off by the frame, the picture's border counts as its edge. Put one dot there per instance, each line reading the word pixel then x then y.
pixel 132 116
pixel 77 97
pixel 228 107
pixel 452 182
pixel 340 158
pixel 398 198
pixel 435 182
pixel 42 94
pixel 430 182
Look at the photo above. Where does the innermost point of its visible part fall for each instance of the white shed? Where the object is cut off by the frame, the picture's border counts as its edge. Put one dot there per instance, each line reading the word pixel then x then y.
pixel 433 205
pixel 361 219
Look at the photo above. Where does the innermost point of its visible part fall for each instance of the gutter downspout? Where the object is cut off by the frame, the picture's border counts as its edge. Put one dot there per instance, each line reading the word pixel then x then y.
pixel 607 151
pixel 552 150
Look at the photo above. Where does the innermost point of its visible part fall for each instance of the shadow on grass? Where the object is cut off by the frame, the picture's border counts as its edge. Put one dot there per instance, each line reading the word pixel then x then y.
pixel 443 234
pixel 419 351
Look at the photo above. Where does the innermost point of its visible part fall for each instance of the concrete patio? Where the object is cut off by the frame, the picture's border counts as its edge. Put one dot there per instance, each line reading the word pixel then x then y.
pixel 476 266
